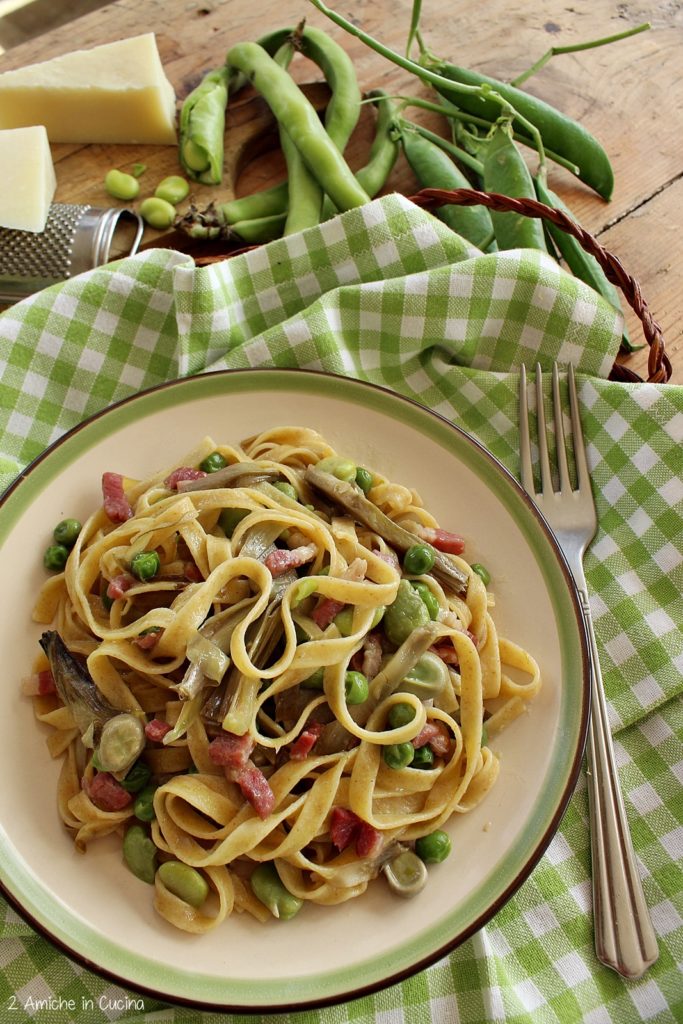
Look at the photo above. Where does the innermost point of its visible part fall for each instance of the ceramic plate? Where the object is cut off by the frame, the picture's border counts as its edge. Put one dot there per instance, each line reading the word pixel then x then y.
pixel 100 914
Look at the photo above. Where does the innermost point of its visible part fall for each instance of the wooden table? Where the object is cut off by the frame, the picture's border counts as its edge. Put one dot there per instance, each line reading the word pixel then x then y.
pixel 629 94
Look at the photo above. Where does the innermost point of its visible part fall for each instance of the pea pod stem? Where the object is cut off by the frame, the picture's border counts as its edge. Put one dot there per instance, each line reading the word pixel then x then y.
pixel 556 51
pixel 414 25
pixel 456 152
pixel 560 133
pixel 454 114
pixel 484 90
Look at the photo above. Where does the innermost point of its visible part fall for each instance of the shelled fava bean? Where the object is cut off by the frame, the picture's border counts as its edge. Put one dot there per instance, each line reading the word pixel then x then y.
pixel 172 189
pixel 184 881
pixel 121 185
pixel 158 213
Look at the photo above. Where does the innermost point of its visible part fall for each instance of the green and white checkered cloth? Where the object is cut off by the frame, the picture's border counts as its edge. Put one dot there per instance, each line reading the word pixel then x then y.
pixel 387 294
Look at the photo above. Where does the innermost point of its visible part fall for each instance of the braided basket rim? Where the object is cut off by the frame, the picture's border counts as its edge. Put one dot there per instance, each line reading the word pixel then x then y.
pixel 659 365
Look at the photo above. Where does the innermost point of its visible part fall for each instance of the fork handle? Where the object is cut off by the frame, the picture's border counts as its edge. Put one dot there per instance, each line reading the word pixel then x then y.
pixel 624 937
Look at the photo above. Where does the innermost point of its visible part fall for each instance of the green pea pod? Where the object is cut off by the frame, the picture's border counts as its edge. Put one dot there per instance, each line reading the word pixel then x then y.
pixel 383 151
pixel 559 133
pixel 304 194
pixel 385 147
pixel 581 263
pixel 434 169
pixel 372 176
pixel 300 196
pixel 505 171
pixel 293 110
pixel 343 109
pixel 269 202
pixel 202 128
pixel 259 230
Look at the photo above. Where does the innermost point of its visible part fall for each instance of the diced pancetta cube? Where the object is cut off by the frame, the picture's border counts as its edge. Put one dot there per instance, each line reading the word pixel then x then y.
pixel 108 794
pixel 180 474
pixel 116 504
pixel 303 745
pixel 255 788
pixel 231 751
pixel 156 730
pixel 282 559
pixel 443 540
pixel 117 587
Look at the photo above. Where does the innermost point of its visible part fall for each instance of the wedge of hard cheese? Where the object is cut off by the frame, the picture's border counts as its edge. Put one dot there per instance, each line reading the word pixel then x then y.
pixel 117 92
pixel 28 178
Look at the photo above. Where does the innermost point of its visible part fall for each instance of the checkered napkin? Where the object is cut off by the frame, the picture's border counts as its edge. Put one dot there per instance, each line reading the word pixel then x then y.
pixel 388 294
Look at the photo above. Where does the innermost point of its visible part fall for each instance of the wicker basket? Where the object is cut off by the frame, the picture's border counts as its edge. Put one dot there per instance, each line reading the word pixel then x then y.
pixel 659 365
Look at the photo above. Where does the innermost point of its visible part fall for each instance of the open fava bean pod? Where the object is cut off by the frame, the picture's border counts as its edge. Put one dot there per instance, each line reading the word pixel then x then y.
pixel 659 365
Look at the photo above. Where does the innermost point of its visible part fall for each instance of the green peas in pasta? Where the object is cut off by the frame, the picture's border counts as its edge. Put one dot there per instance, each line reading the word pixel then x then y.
pixel 286 488
pixel 67 532
pixel 419 559
pixel 314 681
pixel 143 808
pixel 270 890
pixel 400 714
pixel 344 620
pixel 343 469
pixel 482 572
pixel 364 479
pixel 140 853
pixel 424 758
pixel 356 688
pixel 137 777
pixel 229 519
pixel 145 565
pixel 398 755
pixel 427 678
pixel 433 848
pixel 212 463
pixel 55 557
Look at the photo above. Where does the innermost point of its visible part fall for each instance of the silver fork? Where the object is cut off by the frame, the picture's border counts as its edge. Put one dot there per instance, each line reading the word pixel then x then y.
pixel 624 936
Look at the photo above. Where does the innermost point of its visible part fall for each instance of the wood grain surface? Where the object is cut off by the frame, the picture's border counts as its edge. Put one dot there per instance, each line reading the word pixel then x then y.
pixel 628 94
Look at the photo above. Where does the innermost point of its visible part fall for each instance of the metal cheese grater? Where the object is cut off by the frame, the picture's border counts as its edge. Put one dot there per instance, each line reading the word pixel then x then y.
pixel 75 238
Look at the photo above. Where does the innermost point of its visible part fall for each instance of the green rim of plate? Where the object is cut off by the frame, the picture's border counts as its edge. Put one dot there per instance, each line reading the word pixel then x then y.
pixel 79 940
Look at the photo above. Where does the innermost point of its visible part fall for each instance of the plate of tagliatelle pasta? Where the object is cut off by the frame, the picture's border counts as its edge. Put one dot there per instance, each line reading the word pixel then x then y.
pixel 295 690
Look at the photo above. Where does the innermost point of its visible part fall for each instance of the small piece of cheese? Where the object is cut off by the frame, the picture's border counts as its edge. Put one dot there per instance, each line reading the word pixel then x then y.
pixel 116 92
pixel 28 178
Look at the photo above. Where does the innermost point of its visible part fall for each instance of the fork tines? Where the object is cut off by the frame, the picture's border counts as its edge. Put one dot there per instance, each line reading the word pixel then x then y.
pixel 546 480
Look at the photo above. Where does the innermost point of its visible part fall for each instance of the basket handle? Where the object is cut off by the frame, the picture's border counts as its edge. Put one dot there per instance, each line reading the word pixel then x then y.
pixel 659 365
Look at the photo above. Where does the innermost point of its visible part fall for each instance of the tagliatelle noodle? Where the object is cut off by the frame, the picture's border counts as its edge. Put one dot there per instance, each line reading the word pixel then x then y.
pixel 203 816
